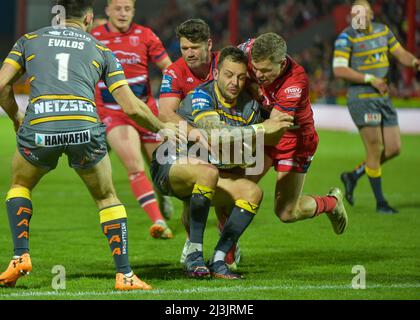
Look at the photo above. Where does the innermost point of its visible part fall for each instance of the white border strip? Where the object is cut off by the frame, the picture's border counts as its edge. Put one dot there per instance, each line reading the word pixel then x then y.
pixel 201 290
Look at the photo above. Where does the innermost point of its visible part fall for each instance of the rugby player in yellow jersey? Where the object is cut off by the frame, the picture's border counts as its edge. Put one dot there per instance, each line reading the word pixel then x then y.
pixel 361 58
pixel 202 180
pixel 63 65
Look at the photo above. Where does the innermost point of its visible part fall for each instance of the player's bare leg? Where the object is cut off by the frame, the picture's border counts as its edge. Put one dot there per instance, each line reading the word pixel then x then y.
pixel 392 143
pixel 25 176
pixel 113 218
pixel 291 206
pixel 165 202
pixel 125 141
pixel 387 143
pixel 374 145
pixel 195 180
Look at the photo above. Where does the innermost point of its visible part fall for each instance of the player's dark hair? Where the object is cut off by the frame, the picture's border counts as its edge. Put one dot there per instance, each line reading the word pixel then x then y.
pixel 76 8
pixel 232 53
pixel 194 30
pixel 269 46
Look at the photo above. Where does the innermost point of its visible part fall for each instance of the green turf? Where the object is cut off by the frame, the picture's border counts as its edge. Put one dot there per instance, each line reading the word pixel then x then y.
pixel 304 260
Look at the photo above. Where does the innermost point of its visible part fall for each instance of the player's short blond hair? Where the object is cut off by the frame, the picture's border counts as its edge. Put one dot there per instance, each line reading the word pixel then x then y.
pixel 361 3
pixel 269 46
pixel 134 1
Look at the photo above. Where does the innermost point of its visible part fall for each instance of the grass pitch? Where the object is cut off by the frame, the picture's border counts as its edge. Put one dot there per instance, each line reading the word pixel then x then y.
pixel 304 260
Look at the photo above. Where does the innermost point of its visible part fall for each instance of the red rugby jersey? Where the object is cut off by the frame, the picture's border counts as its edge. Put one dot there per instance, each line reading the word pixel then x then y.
pixel 288 93
pixel 178 80
pixel 134 49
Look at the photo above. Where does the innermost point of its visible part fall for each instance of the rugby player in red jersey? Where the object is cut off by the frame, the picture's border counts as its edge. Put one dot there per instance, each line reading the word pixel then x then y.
pixel 195 67
pixel 135 46
pixel 284 88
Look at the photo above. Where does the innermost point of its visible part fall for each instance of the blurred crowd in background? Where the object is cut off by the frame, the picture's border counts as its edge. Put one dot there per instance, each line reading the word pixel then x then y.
pixel 287 18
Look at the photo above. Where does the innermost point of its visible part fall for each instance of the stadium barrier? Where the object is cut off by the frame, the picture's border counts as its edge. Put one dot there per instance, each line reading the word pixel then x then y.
pixel 328 117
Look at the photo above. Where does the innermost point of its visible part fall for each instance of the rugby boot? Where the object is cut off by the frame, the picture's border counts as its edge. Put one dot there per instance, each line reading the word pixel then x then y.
pixel 233 256
pixel 195 267
pixel 385 208
pixel 220 270
pixel 160 230
pixel 338 216
pixel 17 268
pixel 349 186
pixel 124 283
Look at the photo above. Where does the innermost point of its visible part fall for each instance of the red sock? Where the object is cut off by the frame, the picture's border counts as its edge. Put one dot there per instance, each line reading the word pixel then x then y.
pixel 223 216
pixel 145 195
pixel 324 204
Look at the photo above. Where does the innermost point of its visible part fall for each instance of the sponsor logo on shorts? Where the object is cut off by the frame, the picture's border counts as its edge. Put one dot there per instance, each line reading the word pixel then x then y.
pixel 293 92
pixel 373 117
pixel 62 139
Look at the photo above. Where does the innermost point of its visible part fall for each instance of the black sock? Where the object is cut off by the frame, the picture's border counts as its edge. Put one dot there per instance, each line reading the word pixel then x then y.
pixel 19 210
pixel 238 221
pixel 376 184
pixel 199 211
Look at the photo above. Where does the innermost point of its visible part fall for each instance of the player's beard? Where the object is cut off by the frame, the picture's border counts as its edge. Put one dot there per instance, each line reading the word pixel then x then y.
pixel 226 94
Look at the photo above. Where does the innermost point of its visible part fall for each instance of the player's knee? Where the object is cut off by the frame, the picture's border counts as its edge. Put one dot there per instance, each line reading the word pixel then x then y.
pixel 251 192
pixel 286 213
pixel 285 216
pixel 209 175
pixel 375 147
pixel 392 152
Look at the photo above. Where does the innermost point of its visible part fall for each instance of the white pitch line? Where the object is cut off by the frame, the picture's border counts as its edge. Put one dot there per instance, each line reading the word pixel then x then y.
pixel 199 290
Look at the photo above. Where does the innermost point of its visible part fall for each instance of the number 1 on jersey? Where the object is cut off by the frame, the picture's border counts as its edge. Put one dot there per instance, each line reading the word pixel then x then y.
pixel 63 64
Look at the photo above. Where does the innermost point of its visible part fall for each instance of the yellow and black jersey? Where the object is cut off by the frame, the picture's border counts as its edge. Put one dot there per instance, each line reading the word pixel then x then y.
pixel 63 66
pixel 365 52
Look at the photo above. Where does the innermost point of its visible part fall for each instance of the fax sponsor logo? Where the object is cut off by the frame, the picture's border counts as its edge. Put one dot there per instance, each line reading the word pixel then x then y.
pixel 293 92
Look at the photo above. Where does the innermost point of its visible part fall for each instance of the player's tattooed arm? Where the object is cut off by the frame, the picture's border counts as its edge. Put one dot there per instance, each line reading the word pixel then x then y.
pixel 212 121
